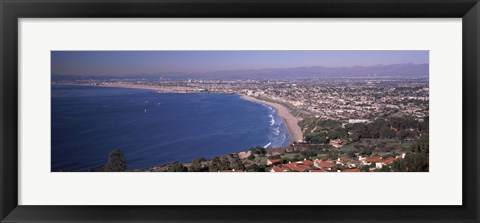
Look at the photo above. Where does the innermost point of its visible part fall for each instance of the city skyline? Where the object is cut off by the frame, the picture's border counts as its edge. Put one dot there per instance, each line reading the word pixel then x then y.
pixel 123 63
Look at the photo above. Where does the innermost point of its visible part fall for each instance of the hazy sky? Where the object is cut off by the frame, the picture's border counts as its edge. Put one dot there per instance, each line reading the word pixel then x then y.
pixel 141 62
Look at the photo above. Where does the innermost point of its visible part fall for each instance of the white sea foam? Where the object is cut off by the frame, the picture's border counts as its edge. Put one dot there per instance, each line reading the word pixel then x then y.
pixel 272 120
pixel 284 137
pixel 276 131
pixel 268 144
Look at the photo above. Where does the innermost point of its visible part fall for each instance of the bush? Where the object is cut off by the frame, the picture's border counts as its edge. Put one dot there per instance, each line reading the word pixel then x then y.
pixel 116 162
pixel 196 165
pixel 176 167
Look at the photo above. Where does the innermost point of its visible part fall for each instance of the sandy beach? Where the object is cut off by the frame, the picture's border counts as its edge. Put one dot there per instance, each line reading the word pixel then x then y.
pixel 290 120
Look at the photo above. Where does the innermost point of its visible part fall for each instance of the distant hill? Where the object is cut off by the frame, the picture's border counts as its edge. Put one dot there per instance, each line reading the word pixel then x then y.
pixel 408 70
pixel 381 71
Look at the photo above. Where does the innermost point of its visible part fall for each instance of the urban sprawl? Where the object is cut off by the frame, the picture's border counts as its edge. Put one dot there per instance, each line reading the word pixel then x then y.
pixel 347 125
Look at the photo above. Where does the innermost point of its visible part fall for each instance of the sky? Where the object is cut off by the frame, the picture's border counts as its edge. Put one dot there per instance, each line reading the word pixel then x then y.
pixel 99 63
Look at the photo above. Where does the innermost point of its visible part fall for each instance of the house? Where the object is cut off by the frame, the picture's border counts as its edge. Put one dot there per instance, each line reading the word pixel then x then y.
pixel 317 171
pixel 273 161
pixel 324 165
pixel 352 121
pixel 244 155
pixel 278 169
pixel 305 162
pixel 370 160
pixel 388 161
pixel 336 143
pixel 400 157
pixel 230 171
pixel 374 159
pixel 352 170
pixel 343 161
pixel 296 166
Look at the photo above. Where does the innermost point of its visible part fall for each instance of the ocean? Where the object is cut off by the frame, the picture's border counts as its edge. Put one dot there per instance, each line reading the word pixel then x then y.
pixel 152 128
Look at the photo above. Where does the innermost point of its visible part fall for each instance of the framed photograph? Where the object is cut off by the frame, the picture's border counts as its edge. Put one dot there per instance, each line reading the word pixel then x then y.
pixel 229 111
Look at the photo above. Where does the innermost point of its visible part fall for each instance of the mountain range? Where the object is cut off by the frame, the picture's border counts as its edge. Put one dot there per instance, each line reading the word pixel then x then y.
pixel 407 70
pixel 380 71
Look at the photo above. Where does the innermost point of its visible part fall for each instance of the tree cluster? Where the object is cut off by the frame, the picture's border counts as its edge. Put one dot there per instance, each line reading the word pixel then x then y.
pixel 230 162
pixel 391 128
pixel 416 160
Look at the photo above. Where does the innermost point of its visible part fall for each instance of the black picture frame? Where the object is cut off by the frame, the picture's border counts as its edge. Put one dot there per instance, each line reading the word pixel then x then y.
pixel 12 10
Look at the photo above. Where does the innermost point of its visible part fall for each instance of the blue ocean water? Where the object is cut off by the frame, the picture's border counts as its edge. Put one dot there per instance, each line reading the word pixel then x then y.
pixel 154 128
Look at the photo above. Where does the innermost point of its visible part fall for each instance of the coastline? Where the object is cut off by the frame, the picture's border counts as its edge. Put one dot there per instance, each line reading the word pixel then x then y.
pixel 162 89
pixel 290 121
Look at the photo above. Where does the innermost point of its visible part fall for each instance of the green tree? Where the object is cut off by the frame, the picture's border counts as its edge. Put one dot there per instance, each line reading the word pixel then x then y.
pixel 258 151
pixel 116 162
pixel 351 154
pixel 417 160
pixel 225 163
pixel 236 163
pixel 398 166
pixel 196 165
pixel 400 135
pixel 215 164
pixel 332 155
pixel 176 167
pixel 384 168
pixel 255 168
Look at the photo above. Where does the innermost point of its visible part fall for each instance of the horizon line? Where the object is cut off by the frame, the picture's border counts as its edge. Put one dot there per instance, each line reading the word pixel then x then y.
pixel 237 70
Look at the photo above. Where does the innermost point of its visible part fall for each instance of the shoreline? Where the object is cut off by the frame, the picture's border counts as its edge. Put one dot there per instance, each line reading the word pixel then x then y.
pixel 291 122
pixel 159 89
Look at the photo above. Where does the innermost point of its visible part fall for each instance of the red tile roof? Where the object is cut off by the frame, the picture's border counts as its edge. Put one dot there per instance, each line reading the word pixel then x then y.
pixel 373 159
pixel 296 167
pixel 388 160
pixel 307 162
pixel 324 164
pixel 317 171
pixel 344 160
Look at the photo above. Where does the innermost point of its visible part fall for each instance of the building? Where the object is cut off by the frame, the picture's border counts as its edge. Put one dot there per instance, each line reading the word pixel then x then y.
pixel 297 166
pixel 352 170
pixel 324 165
pixel 278 169
pixel 317 171
pixel 273 161
pixel 336 143
pixel 233 171
pixel 352 121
